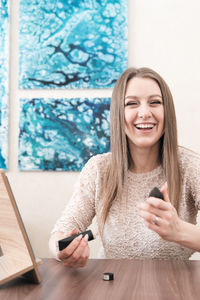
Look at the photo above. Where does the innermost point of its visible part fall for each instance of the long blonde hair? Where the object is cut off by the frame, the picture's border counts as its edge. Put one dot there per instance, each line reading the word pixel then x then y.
pixel 117 170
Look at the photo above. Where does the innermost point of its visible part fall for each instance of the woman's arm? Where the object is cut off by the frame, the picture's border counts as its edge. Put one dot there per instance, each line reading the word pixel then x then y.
pixel 190 236
pixel 76 217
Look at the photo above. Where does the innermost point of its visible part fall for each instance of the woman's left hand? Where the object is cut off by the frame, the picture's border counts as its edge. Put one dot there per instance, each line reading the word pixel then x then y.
pixel 161 216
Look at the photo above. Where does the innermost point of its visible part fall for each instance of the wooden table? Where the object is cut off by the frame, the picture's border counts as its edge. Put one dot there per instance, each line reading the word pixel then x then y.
pixel 133 279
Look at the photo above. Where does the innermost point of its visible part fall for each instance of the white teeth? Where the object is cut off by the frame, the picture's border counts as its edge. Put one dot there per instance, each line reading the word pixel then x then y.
pixel 145 126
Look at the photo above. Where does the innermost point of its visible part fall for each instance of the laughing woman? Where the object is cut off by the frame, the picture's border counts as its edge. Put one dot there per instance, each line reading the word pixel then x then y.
pixel 115 186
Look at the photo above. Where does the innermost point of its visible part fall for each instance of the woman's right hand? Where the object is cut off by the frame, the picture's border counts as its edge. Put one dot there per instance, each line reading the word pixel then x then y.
pixel 76 254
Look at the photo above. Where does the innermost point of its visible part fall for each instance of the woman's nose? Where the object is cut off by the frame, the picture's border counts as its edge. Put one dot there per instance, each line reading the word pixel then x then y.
pixel 144 112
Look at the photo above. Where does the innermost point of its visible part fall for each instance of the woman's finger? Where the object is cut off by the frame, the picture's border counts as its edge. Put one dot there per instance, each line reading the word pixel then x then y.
pixel 164 191
pixel 158 203
pixel 80 249
pixel 145 206
pixel 80 256
pixel 84 257
pixel 150 217
pixel 74 231
pixel 65 253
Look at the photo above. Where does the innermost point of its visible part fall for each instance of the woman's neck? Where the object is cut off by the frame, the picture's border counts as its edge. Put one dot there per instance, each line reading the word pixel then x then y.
pixel 144 160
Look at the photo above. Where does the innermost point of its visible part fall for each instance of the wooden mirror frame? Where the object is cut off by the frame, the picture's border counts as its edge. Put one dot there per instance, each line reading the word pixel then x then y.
pixel 16 254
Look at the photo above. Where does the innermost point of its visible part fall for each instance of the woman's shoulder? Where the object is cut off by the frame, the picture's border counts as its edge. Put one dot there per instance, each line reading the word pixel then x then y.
pixel 99 161
pixel 188 158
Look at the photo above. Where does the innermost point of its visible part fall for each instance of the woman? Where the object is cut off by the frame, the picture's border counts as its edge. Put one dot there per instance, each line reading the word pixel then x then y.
pixel 115 186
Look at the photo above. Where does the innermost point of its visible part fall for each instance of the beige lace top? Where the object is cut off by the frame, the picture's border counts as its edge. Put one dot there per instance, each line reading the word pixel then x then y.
pixel 125 235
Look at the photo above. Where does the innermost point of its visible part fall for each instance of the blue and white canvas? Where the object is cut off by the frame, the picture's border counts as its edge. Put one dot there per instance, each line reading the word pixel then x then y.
pixel 62 134
pixel 72 43
pixel 4 53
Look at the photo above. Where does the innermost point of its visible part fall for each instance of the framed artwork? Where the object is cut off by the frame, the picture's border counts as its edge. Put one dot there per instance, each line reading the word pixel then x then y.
pixel 4 55
pixel 72 43
pixel 62 134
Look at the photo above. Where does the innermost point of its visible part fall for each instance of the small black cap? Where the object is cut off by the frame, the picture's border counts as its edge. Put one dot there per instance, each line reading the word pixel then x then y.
pixel 108 276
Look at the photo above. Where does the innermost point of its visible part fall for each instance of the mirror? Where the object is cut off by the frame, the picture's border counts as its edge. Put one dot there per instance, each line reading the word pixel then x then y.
pixel 16 255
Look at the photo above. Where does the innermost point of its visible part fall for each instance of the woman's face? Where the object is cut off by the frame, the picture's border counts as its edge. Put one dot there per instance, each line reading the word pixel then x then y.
pixel 144 113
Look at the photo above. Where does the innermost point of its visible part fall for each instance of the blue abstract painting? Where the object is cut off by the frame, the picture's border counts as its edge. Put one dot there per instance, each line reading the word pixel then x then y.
pixel 4 53
pixel 62 134
pixel 72 43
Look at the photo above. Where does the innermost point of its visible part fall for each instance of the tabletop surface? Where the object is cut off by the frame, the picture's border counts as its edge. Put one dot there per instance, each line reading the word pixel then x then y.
pixel 133 279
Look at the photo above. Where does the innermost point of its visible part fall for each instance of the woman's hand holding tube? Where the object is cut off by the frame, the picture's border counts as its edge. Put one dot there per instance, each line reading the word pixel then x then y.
pixel 76 254
pixel 161 217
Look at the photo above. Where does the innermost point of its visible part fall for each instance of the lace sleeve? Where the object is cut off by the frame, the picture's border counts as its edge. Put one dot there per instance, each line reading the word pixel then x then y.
pixel 191 170
pixel 80 210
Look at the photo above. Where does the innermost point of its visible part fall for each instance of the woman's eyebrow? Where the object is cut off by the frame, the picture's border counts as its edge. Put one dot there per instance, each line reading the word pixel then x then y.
pixel 131 97
pixel 155 95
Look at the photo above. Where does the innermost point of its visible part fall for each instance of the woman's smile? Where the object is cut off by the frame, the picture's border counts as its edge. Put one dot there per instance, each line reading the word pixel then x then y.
pixel 145 127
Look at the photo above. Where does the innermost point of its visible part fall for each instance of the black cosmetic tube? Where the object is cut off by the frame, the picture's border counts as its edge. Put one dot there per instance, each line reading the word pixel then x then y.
pixel 62 244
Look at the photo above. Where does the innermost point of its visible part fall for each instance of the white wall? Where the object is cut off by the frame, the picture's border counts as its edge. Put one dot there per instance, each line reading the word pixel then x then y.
pixel 163 35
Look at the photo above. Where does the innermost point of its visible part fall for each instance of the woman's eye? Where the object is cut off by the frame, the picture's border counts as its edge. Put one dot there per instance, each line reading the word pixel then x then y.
pixel 155 102
pixel 132 103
